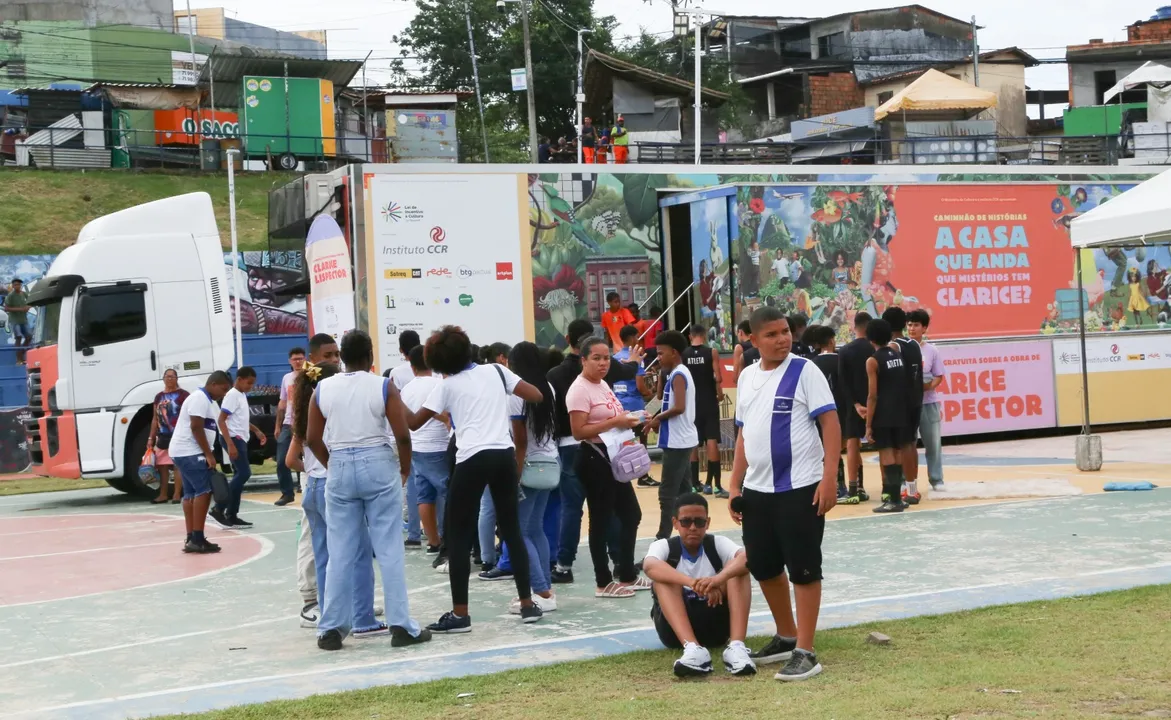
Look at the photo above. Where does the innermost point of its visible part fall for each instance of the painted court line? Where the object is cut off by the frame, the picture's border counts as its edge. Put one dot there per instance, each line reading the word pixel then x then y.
pixel 222 538
pixel 72 528
pixel 414 659
pixel 181 636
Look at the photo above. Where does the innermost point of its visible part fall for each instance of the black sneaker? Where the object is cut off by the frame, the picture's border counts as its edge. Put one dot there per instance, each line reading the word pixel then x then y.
pixel 432 549
pixel 220 518
pixel 495 574
pixel 779 649
pixel 530 614
pixel 239 522
pixel 399 637
pixel 801 666
pixel 439 559
pixel 561 577
pixel 648 481
pixel 413 544
pixel 331 640
pixel 201 548
pixel 890 505
pixel 451 623
pixel 284 500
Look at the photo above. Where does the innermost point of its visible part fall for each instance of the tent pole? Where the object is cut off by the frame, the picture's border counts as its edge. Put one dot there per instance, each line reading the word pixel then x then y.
pixel 1081 331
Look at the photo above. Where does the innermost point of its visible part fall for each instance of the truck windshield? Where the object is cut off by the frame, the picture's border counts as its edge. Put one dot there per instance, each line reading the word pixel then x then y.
pixel 47 324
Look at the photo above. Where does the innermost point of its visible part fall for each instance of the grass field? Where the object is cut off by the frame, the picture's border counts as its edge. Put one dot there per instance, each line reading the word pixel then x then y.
pixel 44 209
pixel 1087 657
pixel 25 486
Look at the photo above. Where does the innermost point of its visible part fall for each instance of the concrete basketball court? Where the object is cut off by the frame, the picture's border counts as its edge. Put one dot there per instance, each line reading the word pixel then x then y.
pixel 104 617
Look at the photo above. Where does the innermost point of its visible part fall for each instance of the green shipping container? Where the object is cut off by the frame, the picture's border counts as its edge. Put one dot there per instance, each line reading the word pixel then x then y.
pixel 1097 119
pixel 301 122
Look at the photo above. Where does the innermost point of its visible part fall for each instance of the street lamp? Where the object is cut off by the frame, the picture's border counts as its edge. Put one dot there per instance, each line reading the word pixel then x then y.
pixel 696 13
pixel 580 89
pixel 529 89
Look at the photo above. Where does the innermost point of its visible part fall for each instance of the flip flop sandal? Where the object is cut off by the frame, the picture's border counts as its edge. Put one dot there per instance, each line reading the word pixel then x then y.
pixel 639 584
pixel 614 591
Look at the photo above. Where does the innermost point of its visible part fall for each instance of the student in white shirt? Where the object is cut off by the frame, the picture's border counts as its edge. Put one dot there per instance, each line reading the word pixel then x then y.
pixel 702 592
pixel 429 443
pixel 476 399
pixel 195 433
pixel 235 428
pixel 533 431
pixel 783 484
pixel 403 374
pixel 675 425
pixel 284 427
pixel 351 420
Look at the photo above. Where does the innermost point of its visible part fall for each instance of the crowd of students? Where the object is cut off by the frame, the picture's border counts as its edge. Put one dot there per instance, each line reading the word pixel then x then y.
pixel 510 443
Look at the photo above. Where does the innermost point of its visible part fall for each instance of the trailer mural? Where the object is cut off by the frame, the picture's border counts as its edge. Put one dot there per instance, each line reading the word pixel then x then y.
pixel 987 255
pixel 265 308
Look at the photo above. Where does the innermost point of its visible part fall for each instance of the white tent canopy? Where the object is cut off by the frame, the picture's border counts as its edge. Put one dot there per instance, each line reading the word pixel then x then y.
pixel 1140 216
pixel 1150 72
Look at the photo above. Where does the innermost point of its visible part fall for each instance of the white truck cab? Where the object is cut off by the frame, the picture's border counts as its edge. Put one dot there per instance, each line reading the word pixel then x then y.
pixel 142 291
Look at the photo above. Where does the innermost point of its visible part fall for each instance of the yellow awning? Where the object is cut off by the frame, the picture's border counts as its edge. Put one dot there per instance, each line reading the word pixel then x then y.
pixel 937 91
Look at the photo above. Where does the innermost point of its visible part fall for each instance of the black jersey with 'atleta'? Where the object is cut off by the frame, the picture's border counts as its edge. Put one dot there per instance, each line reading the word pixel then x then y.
pixel 913 365
pixel 749 356
pixel 698 360
pixel 891 410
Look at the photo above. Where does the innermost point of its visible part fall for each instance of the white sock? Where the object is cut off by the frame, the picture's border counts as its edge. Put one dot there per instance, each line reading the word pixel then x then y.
pixel 687 645
pixel 912 487
pixel 737 643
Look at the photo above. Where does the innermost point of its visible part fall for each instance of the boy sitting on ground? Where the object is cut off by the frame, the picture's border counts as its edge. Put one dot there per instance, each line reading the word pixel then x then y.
pixel 701 592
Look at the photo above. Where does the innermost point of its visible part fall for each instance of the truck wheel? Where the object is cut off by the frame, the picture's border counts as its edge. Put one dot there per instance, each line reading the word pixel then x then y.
pixel 130 483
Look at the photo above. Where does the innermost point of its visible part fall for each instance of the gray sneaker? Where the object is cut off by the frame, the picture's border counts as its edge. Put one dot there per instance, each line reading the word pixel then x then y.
pixel 801 666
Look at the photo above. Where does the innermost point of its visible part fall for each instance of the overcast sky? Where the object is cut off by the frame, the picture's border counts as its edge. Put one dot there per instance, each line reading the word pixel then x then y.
pixel 1041 28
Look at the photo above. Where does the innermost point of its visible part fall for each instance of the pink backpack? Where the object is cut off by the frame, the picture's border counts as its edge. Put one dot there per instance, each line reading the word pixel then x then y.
pixel 631 462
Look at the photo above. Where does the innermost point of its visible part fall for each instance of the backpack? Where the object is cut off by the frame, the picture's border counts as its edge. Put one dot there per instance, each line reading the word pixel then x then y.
pixel 675 552
pixel 632 461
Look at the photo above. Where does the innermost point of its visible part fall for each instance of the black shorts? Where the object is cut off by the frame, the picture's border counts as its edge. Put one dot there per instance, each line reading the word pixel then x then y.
pixel 712 625
pixel 783 531
pixel 853 426
pixel 707 423
pixel 886 438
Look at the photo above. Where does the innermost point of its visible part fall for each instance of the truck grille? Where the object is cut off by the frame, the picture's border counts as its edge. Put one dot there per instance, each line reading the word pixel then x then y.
pixel 36 410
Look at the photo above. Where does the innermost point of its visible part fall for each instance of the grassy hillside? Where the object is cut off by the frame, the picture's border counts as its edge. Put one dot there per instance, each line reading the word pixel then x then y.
pixel 42 210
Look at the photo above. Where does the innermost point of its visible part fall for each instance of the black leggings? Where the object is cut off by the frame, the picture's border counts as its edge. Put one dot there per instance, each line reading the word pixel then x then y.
pixel 607 498
pixel 495 469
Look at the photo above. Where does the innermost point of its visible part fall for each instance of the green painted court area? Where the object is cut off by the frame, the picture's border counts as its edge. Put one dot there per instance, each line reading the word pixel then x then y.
pixel 103 617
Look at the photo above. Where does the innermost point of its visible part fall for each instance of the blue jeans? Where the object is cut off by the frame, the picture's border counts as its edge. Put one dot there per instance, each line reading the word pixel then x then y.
pixel 363 491
pixel 414 524
pixel 241 472
pixel 553 522
pixel 487 529
pixel 313 503
pixel 196 476
pixel 430 472
pixel 284 476
pixel 930 420
pixel 531 515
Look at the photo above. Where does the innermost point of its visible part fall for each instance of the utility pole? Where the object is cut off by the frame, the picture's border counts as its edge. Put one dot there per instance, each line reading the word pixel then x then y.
pixel 524 19
pixel 698 84
pixel 975 54
pixel 580 90
pixel 476 76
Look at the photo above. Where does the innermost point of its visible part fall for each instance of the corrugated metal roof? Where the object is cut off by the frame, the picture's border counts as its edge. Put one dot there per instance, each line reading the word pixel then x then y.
pixel 70 157
pixel 232 68
pixel 158 86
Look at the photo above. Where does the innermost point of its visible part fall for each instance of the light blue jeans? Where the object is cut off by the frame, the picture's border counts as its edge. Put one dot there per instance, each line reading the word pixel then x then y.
pixel 487 529
pixel 364 491
pixel 930 429
pixel 313 503
pixel 531 515
pixel 414 524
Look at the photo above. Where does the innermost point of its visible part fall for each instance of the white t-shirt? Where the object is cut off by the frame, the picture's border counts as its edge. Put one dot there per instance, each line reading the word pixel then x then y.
pixel 402 375
pixel 679 433
pixel 235 406
pixel 699 566
pixel 287 395
pixel 547 449
pixel 478 404
pixel 354 406
pixel 781 268
pixel 313 467
pixel 197 405
pixel 777 412
pixel 434 436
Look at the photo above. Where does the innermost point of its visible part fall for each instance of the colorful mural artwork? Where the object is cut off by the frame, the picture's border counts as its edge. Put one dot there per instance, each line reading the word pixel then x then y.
pixel 711 265
pixel 265 308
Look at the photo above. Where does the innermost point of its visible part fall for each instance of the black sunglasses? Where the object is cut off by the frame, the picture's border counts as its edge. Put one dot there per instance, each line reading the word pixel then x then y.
pixel 699 523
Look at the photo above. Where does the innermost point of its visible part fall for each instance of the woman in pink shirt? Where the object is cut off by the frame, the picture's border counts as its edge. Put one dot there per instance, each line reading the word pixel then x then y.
pixel 593 410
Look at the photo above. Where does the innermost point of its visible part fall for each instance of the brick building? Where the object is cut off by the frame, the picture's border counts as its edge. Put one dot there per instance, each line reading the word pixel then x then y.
pixel 627 275
pixel 1097 65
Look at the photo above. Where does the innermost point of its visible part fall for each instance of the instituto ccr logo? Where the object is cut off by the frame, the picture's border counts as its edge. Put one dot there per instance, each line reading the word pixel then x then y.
pixel 438 234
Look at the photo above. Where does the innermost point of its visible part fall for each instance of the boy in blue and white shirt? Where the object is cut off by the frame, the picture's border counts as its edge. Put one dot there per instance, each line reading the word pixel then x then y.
pixel 789 484
pixel 675 425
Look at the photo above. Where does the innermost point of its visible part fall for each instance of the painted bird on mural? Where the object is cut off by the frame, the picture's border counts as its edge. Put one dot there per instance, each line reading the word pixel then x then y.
pixel 563 213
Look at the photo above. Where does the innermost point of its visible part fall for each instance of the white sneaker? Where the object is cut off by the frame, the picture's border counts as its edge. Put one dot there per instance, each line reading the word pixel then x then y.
pixel 379 611
pixel 737 660
pixel 309 616
pixel 938 487
pixel 442 568
pixel 696 661
pixel 546 604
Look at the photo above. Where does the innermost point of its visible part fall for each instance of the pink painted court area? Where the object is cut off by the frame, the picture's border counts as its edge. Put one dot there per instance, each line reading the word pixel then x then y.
pixel 54 557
